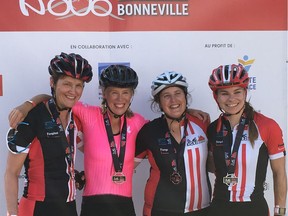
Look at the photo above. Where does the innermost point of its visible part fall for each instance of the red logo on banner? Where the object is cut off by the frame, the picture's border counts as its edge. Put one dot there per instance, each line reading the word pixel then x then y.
pixel 144 15
pixel 1 85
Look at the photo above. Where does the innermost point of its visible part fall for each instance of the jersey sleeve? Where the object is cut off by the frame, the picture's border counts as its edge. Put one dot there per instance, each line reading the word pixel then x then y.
pixel 141 145
pixel 78 110
pixel 18 140
pixel 79 134
pixel 272 136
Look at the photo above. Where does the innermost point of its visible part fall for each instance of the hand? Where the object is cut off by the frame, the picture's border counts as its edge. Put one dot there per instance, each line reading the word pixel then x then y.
pixel 203 116
pixel 79 179
pixel 18 114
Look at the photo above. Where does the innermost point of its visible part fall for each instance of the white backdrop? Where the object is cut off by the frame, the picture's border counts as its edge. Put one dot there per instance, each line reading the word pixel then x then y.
pixel 25 58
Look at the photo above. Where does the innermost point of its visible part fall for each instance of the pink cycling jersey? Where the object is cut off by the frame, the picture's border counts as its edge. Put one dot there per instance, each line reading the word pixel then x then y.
pixel 98 163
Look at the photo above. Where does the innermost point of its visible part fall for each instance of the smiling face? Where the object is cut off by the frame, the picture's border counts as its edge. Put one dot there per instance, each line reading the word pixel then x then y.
pixel 172 101
pixel 118 99
pixel 231 100
pixel 67 90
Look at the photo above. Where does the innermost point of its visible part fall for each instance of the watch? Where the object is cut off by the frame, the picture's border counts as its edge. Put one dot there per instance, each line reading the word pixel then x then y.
pixel 279 211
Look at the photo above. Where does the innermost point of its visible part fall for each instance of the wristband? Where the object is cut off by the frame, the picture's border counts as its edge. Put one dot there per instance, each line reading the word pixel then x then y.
pixel 11 214
pixel 279 211
pixel 31 102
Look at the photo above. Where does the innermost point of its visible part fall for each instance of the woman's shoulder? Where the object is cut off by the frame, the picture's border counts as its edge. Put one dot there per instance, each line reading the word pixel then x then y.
pixel 85 107
pixel 263 121
pixel 137 120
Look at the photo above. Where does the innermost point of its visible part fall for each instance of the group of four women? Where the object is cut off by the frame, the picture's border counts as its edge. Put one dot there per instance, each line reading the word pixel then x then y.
pixel 180 146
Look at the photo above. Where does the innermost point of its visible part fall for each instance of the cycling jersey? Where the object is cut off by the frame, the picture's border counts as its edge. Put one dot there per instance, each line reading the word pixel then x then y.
pixel 47 173
pixel 98 163
pixel 252 161
pixel 161 194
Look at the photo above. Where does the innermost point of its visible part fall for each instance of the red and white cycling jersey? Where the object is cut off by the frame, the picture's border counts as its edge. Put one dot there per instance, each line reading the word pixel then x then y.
pixel 252 161
pixel 160 193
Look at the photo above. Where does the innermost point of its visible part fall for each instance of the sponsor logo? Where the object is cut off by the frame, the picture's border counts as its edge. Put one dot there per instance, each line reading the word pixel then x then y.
pixel 247 63
pixel 63 9
pixel 195 141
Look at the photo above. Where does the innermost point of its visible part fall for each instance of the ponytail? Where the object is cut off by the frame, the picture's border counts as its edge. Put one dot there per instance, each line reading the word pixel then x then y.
pixel 253 132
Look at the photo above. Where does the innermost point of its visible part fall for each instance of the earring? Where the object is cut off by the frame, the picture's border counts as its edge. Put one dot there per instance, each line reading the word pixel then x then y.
pixel 104 107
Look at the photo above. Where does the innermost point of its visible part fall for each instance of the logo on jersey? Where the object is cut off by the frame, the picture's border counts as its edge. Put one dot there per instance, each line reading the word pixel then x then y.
pixel 128 129
pixel 245 137
pixel 195 141
pixel 162 141
pixel 51 129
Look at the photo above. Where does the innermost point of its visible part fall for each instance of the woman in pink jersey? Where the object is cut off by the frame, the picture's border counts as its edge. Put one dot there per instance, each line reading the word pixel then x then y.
pixel 176 147
pixel 242 141
pixel 109 145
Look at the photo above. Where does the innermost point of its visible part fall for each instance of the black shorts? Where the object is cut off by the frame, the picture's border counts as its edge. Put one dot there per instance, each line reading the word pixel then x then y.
pixel 257 207
pixel 38 208
pixel 202 212
pixel 107 205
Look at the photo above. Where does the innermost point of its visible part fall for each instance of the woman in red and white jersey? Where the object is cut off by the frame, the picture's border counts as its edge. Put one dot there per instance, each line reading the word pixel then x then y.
pixel 176 147
pixel 241 142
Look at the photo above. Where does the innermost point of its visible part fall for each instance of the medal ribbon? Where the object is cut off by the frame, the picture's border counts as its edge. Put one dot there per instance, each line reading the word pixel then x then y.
pixel 118 162
pixel 67 145
pixel 177 155
pixel 230 158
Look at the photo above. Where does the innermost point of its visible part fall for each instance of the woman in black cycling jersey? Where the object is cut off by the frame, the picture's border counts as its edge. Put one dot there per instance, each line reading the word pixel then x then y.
pixel 45 143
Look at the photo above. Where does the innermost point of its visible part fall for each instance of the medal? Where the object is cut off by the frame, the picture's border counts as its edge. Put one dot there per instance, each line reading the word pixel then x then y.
pixel 230 180
pixel 175 178
pixel 118 178
pixel 118 161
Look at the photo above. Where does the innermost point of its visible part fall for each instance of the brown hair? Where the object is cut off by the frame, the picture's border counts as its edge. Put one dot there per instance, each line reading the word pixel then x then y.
pixel 253 132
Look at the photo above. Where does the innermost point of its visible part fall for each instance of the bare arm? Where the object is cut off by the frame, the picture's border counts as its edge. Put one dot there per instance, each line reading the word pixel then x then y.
pixel 20 112
pixel 13 168
pixel 280 181
pixel 203 116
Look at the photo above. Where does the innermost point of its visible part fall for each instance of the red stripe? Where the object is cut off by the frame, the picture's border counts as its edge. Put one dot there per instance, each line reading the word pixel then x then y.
pixel 234 187
pixel 192 190
pixel 198 178
pixel 244 171
pixel 191 128
pixel 36 189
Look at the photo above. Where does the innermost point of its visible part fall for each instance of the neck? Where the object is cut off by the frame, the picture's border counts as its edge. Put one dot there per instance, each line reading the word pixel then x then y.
pixel 64 117
pixel 115 123
pixel 174 128
pixel 234 119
